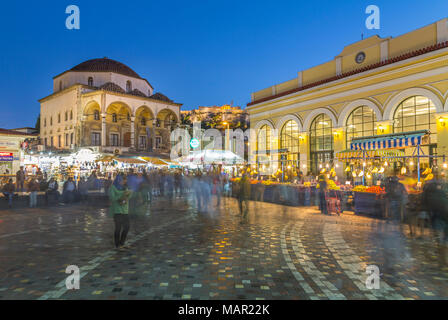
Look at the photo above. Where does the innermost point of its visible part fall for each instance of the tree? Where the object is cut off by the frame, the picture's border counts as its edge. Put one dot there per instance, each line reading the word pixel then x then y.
pixel 37 126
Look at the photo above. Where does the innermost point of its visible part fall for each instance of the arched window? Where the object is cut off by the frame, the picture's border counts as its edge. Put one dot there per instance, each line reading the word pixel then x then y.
pixel 90 81
pixel 128 116
pixel 59 118
pixel 60 85
pixel 66 115
pixel 143 121
pixel 96 115
pixel 114 117
pixel 416 113
pixel 71 114
pixel 51 121
pixel 321 142
pixel 289 139
pixel 169 121
pixel 128 86
pixel 360 123
pixel 264 142
pixel 45 122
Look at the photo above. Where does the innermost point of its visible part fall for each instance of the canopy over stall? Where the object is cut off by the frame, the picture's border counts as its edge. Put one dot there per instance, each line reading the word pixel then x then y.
pixel 392 141
pixel 223 157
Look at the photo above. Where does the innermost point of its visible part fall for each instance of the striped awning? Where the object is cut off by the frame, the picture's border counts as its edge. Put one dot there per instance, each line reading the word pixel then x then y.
pixel 389 141
pixel 366 154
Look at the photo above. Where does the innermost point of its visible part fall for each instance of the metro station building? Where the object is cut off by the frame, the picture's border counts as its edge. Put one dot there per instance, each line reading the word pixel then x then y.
pixel 376 86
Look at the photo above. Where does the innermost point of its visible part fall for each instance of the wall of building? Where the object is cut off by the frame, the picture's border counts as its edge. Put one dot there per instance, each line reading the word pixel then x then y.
pixel 382 89
pixel 100 78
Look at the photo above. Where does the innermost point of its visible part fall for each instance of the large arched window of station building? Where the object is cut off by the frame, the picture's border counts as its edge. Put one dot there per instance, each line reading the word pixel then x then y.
pixel 321 142
pixel 417 113
pixel 263 143
pixel 122 126
pixel 289 139
pixel 143 128
pixel 360 123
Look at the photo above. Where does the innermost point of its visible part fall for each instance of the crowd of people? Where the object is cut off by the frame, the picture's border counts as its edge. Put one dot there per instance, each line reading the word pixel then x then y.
pixel 132 191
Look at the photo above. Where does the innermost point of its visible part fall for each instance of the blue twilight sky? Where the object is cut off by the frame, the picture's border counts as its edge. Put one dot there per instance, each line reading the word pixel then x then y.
pixel 195 52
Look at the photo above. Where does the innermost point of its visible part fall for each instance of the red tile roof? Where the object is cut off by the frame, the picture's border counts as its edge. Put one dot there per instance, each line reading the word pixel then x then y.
pixel 16 133
pixel 356 71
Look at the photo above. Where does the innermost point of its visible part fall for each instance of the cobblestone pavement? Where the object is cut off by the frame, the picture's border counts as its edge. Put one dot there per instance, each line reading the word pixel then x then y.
pixel 177 253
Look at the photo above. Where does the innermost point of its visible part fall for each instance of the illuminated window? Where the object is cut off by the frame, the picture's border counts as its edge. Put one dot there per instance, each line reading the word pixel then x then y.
pixel 321 141
pixel 289 139
pixel 90 81
pixel 360 123
pixel 416 113
pixel 264 138
pixel 96 115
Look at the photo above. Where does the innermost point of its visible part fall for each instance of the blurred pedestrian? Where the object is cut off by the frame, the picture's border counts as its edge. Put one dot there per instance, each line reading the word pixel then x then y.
pixel 323 188
pixel 244 195
pixel 119 209
pixel 33 188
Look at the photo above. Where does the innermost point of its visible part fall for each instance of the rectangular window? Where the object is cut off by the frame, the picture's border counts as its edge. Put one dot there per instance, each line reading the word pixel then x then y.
pixel 158 142
pixel 96 139
pixel 46 142
pixel 66 139
pixel 142 142
pixel 114 140
pixel 71 138
pixel 51 142
pixel 59 141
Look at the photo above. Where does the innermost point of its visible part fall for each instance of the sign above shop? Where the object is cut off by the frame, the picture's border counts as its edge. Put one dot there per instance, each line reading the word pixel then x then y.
pixel 6 156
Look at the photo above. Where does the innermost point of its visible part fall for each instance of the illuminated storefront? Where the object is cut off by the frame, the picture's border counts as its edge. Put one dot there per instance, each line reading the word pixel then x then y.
pixel 399 86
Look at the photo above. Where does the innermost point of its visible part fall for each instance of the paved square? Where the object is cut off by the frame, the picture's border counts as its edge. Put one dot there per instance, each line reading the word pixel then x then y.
pixel 177 253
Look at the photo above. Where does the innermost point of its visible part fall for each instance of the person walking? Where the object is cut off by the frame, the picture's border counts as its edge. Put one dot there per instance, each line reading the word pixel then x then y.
pixel 119 209
pixel 322 194
pixel 33 188
pixel 20 179
pixel 244 195
pixel 395 199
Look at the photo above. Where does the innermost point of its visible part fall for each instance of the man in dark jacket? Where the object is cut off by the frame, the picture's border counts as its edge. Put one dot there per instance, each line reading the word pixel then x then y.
pixel 52 190
pixel 20 179
pixel 69 190
pixel 8 191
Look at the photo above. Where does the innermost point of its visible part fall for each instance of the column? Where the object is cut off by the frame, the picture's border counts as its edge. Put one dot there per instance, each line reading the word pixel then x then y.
pixel 442 136
pixel 304 151
pixel 103 129
pixel 132 132
pixel 338 146
pixel 384 127
pixel 154 126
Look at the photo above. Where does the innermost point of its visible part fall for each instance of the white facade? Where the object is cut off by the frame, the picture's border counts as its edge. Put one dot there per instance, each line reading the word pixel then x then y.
pixel 103 109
